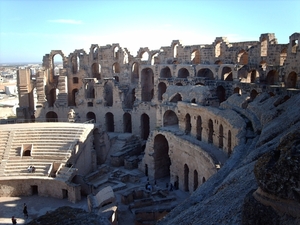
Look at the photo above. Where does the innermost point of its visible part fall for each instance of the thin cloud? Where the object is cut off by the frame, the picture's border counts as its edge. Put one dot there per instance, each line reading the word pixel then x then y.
pixel 66 21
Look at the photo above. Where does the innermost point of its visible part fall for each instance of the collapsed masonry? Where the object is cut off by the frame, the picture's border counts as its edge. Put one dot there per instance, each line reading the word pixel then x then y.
pixel 171 99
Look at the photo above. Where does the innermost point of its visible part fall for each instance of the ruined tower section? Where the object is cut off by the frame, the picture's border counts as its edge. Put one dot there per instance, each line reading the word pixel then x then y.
pixel 25 111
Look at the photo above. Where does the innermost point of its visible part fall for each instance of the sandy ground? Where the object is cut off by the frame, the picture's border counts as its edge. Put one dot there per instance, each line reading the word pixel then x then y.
pixel 36 205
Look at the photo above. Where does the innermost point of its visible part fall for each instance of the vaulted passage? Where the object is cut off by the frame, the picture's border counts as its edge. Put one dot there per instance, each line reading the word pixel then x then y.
pixel 162 160
pixel 51 97
pixel 165 73
pixel 109 121
pixel 162 87
pixel 90 116
pixel 183 73
pixel 196 182
pixel 199 128
pixel 147 84
pixel 186 177
pixel 108 94
pixel 127 123
pixel 220 136
pixel 145 126
pixel 227 74
pixel 170 118
pixel 272 77
pixel 96 71
pixel 291 80
pixel 73 97
pixel 188 125
pixel 206 73
pixel 51 117
pixel 176 98
pixel 210 131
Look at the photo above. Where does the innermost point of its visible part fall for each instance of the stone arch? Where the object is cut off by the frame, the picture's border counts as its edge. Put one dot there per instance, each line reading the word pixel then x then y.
pixel 90 116
pixel 243 57
pixel 75 64
pixel 283 55
pixel 165 72
pixel 175 50
pixel 237 90
pixel 221 94
pixel 72 101
pixel 51 116
pixel 109 122
pixel 253 94
pixel 135 73
pixel 162 160
pixel 116 67
pixel 162 87
pixel 127 124
pixel 145 126
pixel 95 52
pixel 96 70
pixel 229 143
pixel 207 73
pixel 183 73
pixel 89 90
pixel 116 52
pixel 291 80
pixel 154 59
pixel 108 94
pixel 221 136
pixel 272 77
pixel 199 128
pixel 147 83
pixel 145 56
pixel 170 118
pixel 196 182
pixel 176 98
pixel 210 131
pixel 57 64
pixel 51 97
pixel 186 177
pixel 195 57
pixel 227 74
pixel 188 125
pixel 253 75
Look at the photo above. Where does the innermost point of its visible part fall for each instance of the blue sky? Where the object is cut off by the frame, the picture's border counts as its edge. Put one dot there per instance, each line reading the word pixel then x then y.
pixel 31 29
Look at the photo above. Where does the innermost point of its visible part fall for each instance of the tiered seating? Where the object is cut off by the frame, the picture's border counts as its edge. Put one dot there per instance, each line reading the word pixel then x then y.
pixel 47 143
pixel 4 135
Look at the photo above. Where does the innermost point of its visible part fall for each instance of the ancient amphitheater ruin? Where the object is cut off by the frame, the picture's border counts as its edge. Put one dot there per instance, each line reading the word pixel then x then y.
pixel 189 118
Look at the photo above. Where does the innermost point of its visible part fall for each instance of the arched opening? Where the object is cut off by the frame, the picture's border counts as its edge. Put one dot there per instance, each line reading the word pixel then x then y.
pixel 195 57
pixel 253 76
pixel 116 68
pixel 116 52
pixel 91 117
pixel 145 56
pixel 51 97
pixel 243 57
pixel 175 51
pixel 218 49
pixel 170 118
pixel 176 98
pixel 199 128
pixel 221 136
pixel 96 71
pixel 57 63
pixel 89 90
pixel 162 160
pixel 108 94
pixel 51 117
pixel 272 77
pixel 127 123
pixel 229 143
pixel 162 87
pixel 74 64
pixel 227 74
pixel 210 131
pixel 243 75
pixel 188 125
pixel 291 80
pixel 196 183
pixel 186 177
pixel 95 53
pixel 109 122
pixel 135 73
pixel 237 90
pixel 206 73
pixel 147 83
pixel 263 47
pixel 294 46
pixel 73 97
pixel 183 73
pixel 129 99
pixel 283 55
pixel 165 73
pixel 253 94
pixel 221 93
pixel 154 59
pixel 145 126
